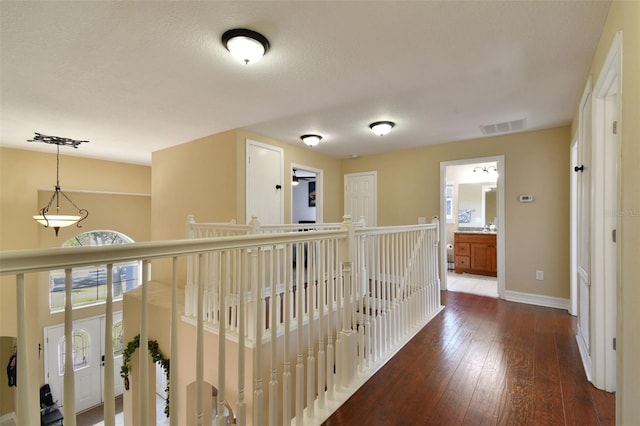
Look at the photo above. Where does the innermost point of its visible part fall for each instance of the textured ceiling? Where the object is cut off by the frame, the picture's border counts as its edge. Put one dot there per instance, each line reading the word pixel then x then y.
pixel 136 77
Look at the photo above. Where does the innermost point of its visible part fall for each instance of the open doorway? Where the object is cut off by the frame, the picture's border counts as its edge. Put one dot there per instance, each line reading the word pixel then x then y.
pixel 306 194
pixel 472 226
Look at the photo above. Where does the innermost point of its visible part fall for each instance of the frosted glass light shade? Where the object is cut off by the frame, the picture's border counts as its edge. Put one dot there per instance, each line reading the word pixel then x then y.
pixel 56 220
pixel 247 46
pixel 311 140
pixel 381 128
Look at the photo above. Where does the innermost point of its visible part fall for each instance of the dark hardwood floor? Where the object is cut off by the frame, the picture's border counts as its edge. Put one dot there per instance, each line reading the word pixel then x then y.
pixel 483 361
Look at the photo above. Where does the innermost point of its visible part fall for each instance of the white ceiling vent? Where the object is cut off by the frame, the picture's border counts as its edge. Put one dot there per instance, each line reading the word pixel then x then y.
pixel 506 127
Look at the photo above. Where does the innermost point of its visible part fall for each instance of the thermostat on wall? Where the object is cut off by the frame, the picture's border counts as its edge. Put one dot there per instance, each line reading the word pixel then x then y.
pixel 526 198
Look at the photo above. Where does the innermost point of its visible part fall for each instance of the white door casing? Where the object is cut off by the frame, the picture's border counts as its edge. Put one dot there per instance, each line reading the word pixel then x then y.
pixel 264 182
pixel 605 205
pixel 319 189
pixel 500 237
pixel 360 196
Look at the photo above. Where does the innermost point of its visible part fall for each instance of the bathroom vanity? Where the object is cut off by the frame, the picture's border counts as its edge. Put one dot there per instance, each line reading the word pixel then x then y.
pixel 475 253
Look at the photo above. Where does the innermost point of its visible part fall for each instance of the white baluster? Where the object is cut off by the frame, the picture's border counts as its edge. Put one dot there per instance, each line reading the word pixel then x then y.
pixel 173 372
pixel 273 383
pixel 199 414
pixel 143 352
pixel 286 375
pixel 25 408
pixel 109 407
pixel 242 292
pixel 330 330
pixel 69 375
pixel 299 337
pixel 311 362
pixel 257 276
pixel 221 419
pixel 322 365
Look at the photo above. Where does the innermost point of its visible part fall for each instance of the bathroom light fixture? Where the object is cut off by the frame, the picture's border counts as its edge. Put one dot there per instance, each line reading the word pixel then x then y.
pixel 245 45
pixel 294 179
pixel 485 169
pixel 57 220
pixel 311 140
pixel 381 128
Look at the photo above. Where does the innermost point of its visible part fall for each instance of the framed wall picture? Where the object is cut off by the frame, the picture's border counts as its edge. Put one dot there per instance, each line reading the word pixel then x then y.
pixel 312 194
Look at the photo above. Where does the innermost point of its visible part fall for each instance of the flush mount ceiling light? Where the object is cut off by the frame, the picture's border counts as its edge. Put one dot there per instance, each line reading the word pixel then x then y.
pixel 245 45
pixel 381 128
pixel 311 140
pixel 58 220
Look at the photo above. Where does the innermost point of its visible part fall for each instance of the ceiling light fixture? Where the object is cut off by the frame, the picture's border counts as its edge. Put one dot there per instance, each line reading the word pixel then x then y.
pixel 57 220
pixel 485 169
pixel 311 140
pixel 294 179
pixel 381 128
pixel 245 45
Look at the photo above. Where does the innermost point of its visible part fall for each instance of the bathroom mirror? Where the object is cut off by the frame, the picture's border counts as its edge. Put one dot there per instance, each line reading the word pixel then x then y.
pixel 477 204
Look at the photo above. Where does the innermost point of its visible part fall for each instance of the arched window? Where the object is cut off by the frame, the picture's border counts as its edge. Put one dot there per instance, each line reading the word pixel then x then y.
pixel 89 283
pixel 118 342
pixel 80 350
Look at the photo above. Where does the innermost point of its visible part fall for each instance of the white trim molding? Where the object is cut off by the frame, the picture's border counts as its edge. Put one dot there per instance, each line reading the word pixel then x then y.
pixel 538 299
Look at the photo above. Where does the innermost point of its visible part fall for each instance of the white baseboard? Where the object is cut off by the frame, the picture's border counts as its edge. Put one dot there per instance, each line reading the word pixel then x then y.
pixel 584 355
pixel 537 299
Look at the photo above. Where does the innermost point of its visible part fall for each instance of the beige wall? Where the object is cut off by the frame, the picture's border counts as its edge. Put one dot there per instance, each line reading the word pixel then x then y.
pixel 298 154
pixel 23 174
pixel 536 163
pixel 625 16
pixel 206 178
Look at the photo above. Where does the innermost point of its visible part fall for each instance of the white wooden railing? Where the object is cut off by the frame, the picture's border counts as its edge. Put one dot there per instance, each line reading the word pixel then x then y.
pixel 359 295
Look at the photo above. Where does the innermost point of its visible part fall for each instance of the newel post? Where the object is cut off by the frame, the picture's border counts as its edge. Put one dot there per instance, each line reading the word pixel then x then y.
pixel 349 339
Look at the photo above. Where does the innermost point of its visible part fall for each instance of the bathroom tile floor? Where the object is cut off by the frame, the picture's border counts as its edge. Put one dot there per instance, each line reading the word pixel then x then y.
pixel 473 284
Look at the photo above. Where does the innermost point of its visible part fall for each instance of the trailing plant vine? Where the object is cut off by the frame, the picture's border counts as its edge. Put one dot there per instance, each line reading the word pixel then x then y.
pixel 156 356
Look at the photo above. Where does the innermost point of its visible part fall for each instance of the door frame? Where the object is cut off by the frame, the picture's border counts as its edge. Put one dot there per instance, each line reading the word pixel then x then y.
pixel 319 190
pixel 605 158
pixel 500 237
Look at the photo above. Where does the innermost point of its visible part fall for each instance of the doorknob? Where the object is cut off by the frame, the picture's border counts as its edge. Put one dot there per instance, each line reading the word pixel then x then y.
pixel 579 169
pixel 278 186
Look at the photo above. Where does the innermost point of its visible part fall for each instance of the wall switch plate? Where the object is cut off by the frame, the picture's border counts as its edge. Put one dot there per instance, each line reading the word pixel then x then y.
pixel 526 198
pixel 539 275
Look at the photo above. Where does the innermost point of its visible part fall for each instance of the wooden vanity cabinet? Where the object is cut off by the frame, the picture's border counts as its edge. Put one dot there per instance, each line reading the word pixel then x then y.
pixel 475 253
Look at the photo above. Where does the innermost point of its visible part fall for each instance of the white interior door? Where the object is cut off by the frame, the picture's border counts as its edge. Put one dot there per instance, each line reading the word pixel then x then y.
pixel 264 183
pixel 360 196
pixel 584 230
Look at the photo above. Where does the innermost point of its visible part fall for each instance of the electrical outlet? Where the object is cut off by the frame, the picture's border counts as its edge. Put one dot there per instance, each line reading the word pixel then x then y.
pixel 539 275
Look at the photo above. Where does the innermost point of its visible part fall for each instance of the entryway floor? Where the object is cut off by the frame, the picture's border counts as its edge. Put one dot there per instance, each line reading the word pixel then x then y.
pixel 473 284
pixel 95 416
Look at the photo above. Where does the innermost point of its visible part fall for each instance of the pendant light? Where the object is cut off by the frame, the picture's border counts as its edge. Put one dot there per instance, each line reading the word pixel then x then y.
pixel 57 220
pixel 294 180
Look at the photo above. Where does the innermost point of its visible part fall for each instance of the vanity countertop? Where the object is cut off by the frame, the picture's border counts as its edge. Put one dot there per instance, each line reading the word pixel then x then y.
pixel 476 232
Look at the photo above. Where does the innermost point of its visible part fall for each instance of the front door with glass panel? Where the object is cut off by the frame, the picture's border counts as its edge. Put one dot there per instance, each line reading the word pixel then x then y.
pixel 88 343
